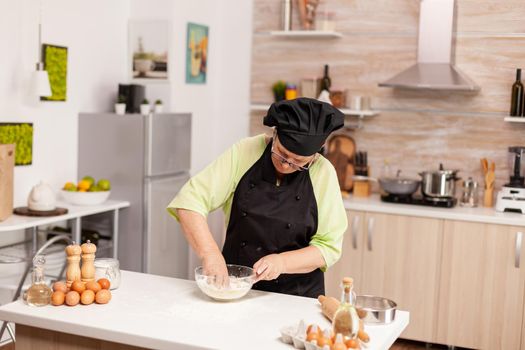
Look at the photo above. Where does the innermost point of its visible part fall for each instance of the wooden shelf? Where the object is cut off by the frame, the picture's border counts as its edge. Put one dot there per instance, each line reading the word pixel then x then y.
pixel 346 111
pixel 306 34
pixel 515 119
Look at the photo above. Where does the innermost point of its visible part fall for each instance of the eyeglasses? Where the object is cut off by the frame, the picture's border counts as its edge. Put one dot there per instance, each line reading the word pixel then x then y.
pixel 294 166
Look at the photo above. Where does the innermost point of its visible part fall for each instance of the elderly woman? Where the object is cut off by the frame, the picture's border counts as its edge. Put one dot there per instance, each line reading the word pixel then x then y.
pixel 281 198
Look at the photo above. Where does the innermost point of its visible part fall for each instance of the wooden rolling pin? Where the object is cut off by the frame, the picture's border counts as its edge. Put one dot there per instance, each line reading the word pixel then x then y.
pixel 329 306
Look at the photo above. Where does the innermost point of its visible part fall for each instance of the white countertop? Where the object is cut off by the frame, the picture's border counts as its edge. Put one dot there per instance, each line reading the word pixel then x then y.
pixel 167 313
pixel 478 214
pixel 19 222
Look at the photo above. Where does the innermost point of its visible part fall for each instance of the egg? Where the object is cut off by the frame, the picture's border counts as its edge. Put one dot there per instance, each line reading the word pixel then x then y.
pixel 93 286
pixel 60 287
pixel 104 283
pixel 57 298
pixel 103 296
pixel 78 286
pixel 72 298
pixel 87 297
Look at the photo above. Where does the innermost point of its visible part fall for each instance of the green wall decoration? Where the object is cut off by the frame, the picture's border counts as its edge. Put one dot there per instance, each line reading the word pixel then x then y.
pixel 21 134
pixel 55 63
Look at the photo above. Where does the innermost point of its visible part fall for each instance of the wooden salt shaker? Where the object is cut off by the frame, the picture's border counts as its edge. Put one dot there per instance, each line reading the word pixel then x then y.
pixel 73 252
pixel 88 259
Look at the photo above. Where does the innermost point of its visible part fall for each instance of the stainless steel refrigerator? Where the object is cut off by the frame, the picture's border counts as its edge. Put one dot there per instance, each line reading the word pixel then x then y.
pixel 147 160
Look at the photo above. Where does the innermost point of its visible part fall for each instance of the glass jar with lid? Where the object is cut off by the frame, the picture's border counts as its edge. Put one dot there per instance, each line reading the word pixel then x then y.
pixel 108 268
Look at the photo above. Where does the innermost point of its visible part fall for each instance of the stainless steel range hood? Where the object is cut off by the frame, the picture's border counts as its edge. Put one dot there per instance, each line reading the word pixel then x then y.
pixel 435 69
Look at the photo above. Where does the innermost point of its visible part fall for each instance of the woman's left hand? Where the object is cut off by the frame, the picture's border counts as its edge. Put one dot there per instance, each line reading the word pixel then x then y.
pixel 269 267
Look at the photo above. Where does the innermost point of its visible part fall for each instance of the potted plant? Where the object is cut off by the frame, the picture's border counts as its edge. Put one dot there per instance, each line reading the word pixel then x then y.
pixel 158 107
pixel 120 106
pixel 144 107
pixel 279 89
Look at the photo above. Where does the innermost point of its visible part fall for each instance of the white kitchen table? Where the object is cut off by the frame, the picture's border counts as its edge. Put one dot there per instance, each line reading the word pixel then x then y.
pixel 167 313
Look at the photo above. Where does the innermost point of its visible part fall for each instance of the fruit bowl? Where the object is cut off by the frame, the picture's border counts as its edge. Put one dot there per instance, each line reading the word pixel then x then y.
pixel 241 281
pixel 85 198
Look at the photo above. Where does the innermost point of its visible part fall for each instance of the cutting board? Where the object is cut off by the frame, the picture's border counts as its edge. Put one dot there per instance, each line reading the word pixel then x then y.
pixel 341 153
pixel 7 164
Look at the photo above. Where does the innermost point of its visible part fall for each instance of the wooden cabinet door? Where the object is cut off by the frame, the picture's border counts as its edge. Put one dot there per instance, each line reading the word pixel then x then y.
pixel 482 285
pixel 350 262
pixel 401 262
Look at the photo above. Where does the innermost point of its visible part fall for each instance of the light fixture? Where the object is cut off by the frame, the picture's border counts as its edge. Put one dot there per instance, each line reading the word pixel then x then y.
pixel 40 79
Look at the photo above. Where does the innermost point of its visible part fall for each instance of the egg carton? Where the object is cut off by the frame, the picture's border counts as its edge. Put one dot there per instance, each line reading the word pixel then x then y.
pixel 296 336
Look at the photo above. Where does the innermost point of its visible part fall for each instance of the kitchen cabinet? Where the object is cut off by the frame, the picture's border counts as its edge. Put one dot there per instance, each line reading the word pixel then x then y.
pixel 396 257
pixel 481 286
pixel 401 262
pixel 350 262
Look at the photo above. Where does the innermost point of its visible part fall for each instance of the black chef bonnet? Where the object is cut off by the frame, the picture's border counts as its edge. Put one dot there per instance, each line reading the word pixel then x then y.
pixel 303 124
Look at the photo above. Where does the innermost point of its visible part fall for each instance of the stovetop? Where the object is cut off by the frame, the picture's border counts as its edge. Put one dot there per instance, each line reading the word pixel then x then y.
pixel 420 200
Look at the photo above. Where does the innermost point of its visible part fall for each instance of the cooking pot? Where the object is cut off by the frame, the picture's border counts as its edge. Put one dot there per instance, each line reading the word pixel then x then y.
pixel 439 183
pixel 395 185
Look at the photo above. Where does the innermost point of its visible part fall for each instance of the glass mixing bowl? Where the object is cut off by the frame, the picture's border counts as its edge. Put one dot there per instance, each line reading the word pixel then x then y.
pixel 241 281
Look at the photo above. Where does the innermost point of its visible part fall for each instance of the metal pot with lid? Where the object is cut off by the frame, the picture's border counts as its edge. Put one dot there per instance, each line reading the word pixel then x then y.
pixel 439 183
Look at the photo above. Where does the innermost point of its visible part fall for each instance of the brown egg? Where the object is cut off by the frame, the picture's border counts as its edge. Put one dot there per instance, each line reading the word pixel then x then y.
pixel 103 296
pixel 87 297
pixel 78 286
pixel 104 283
pixel 94 286
pixel 60 287
pixel 72 298
pixel 57 298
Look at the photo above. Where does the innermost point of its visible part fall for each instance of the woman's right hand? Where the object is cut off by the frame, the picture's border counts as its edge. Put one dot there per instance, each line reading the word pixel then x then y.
pixel 214 265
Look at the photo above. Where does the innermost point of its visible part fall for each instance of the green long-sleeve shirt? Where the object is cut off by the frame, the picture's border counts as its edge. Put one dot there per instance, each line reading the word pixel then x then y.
pixel 215 186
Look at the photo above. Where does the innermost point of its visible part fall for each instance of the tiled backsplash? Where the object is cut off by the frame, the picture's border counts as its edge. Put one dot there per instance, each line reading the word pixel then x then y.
pixel 416 130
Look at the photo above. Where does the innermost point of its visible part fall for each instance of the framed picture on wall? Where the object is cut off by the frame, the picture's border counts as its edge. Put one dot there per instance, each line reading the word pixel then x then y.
pixel 55 63
pixel 20 134
pixel 196 53
pixel 149 50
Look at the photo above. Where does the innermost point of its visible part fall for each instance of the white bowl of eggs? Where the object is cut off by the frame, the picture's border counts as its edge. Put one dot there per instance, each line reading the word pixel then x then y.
pixel 241 279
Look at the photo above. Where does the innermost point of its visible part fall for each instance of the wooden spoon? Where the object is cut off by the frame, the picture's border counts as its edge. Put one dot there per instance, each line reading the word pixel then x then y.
pixel 484 165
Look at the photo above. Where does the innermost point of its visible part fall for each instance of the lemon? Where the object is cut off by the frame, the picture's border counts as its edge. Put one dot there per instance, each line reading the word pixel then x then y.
pixel 104 185
pixel 69 185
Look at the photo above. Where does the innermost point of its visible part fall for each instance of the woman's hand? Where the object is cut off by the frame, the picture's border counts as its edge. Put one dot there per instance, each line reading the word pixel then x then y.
pixel 213 264
pixel 269 267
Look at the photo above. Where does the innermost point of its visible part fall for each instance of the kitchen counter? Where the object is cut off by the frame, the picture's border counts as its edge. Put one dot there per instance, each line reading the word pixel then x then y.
pixel 167 313
pixel 19 222
pixel 479 214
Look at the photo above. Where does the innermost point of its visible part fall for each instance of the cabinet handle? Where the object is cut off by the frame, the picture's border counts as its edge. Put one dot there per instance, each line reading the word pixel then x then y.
pixel 519 237
pixel 355 228
pixel 369 233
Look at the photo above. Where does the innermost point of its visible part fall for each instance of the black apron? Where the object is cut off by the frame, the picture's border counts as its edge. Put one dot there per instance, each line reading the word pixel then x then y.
pixel 267 219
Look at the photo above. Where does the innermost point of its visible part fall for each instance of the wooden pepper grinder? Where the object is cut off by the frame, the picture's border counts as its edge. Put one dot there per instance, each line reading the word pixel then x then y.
pixel 88 259
pixel 73 252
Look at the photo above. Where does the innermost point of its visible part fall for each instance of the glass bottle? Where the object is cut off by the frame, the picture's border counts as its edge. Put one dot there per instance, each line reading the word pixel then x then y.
pixel 39 294
pixel 326 82
pixel 346 320
pixel 516 104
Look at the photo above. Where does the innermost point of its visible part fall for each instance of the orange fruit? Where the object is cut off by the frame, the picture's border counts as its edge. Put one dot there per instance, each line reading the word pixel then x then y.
pixel 84 185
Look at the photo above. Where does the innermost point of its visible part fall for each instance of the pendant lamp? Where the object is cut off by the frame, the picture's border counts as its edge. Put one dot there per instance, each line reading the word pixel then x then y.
pixel 40 79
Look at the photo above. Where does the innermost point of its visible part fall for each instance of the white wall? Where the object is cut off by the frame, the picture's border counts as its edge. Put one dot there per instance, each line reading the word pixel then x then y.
pixel 96 42
pixel 95 33
pixel 220 108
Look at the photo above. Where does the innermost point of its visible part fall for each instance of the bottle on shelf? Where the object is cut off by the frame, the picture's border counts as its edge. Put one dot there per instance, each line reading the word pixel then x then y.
pixel 516 104
pixel 346 319
pixel 287 15
pixel 326 82
pixel 39 294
